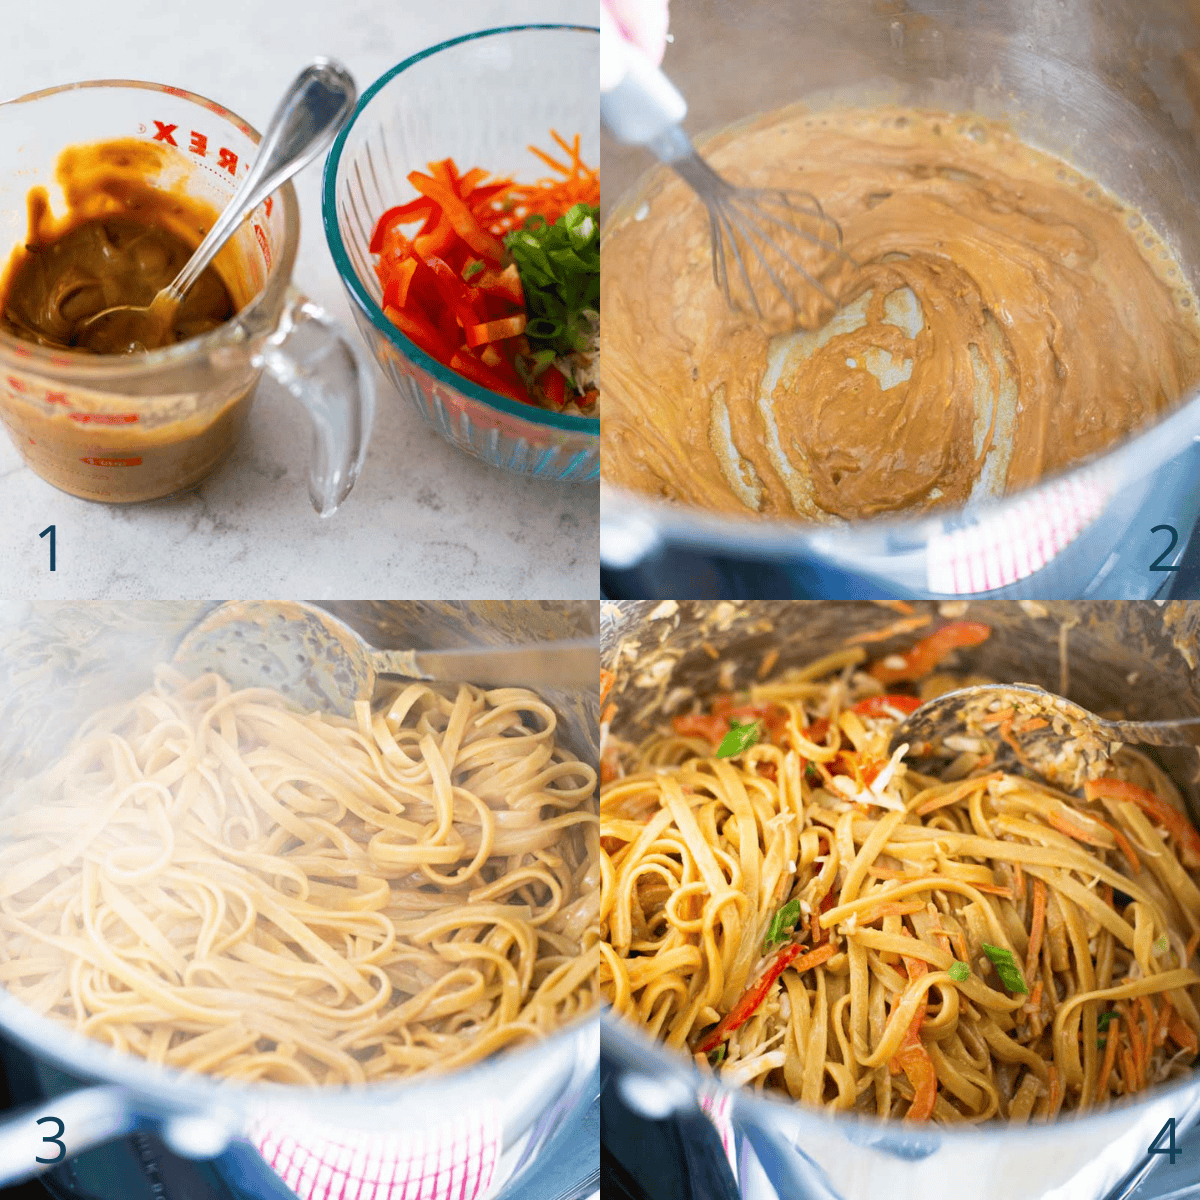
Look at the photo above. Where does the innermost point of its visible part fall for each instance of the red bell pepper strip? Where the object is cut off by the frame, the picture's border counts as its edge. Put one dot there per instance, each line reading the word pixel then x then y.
pixel 395 295
pixel 445 172
pixel 716 724
pixel 495 331
pixel 460 216
pixel 554 386
pixel 506 283
pixel 1156 808
pixel 419 329
pixel 436 241
pixel 460 298
pixel 467 184
pixel 913 1059
pixel 743 1010
pixel 402 214
pixel 877 706
pixel 928 652
pixel 465 364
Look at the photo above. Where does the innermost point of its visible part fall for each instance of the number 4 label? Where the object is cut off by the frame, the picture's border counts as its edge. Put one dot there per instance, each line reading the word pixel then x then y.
pixel 1168 1131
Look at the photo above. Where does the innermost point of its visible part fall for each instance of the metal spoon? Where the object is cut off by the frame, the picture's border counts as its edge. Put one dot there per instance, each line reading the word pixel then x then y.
pixel 316 105
pixel 318 661
pixel 1067 721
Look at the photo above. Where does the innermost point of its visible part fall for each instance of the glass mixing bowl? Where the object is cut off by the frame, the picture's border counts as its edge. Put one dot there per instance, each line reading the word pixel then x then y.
pixel 480 99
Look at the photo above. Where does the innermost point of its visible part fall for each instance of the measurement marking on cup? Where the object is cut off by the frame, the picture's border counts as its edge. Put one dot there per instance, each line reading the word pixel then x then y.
pixel 1170 1149
pixel 56 1136
pixel 1154 566
pixel 50 530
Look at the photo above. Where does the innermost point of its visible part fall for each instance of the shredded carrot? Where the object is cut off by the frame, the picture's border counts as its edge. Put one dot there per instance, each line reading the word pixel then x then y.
pixel 997 717
pixel 507 209
pixel 1054 1103
pixel 1129 1070
pixel 1164 1019
pixel 1182 1034
pixel 1032 724
pixel 907 625
pixel 1135 1040
pixel 1123 844
pixel 1064 824
pixel 1006 734
pixel 994 889
pixel 1037 926
pixel 1151 1020
pixel 1110 1054
pixel 900 606
pixel 901 908
pixel 1018 881
pixel 957 793
pixel 888 873
pixel 1035 999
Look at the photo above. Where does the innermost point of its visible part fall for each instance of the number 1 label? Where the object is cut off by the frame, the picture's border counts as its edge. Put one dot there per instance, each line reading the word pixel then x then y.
pixel 49 530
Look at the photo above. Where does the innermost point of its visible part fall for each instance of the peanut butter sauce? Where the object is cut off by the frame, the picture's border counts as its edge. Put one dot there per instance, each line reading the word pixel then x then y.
pixel 1003 319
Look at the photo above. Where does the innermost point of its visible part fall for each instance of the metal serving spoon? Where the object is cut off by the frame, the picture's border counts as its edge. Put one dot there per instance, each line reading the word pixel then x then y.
pixel 318 661
pixel 316 105
pixel 947 714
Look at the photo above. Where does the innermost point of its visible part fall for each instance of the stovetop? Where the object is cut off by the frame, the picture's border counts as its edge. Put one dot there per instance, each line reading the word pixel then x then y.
pixel 697 576
pixel 642 1159
pixel 141 1167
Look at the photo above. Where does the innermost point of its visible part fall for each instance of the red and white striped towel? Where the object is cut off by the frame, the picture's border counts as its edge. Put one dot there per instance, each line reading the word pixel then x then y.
pixel 1021 538
pixel 455 1161
pixel 716 1104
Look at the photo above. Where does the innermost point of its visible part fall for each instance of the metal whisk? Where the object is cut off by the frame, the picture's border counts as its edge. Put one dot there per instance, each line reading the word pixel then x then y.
pixel 761 229
pixel 742 218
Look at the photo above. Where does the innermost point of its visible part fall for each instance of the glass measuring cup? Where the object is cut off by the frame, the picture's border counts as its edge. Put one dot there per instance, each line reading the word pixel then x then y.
pixel 129 428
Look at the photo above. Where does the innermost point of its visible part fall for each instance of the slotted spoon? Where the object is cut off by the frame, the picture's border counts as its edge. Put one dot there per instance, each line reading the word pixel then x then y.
pixel 319 662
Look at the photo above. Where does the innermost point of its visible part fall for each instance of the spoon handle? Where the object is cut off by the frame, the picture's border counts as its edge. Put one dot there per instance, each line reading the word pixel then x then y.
pixel 318 103
pixel 539 664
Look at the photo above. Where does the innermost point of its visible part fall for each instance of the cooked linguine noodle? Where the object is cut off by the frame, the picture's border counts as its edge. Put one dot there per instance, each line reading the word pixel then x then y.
pixel 215 881
pixel 816 917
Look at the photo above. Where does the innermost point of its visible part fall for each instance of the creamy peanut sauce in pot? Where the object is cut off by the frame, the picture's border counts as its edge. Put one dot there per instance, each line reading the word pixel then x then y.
pixel 1003 319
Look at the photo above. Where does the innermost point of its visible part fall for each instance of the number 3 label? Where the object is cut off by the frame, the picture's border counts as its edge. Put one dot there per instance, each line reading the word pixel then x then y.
pixel 54 1138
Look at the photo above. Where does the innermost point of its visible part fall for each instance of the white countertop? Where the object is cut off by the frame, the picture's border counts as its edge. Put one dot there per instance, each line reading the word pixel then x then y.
pixel 424 519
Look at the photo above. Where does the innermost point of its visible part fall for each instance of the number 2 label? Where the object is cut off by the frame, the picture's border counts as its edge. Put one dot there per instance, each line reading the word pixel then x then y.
pixel 1156 564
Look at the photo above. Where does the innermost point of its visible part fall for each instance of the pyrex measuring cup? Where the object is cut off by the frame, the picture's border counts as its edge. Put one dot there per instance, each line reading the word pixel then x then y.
pixel 138 427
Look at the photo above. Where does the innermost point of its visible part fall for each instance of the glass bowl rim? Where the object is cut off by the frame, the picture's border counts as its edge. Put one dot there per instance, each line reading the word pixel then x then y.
pixel 333 235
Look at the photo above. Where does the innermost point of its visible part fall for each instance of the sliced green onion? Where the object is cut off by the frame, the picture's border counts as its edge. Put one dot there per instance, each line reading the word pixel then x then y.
pixel 959 971
pixel 741 736
pixel 559 266
pixel 783 921
pixel 1161 945
pixel 1006 968
pixel 472 268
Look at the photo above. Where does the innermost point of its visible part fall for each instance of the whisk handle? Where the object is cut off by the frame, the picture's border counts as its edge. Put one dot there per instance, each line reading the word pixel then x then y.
pixel 642 104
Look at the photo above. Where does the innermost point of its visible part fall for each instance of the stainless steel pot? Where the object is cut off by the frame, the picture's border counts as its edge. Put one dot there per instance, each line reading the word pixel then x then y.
pixel 58 664
pixel 653 649
pixel 1111 85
